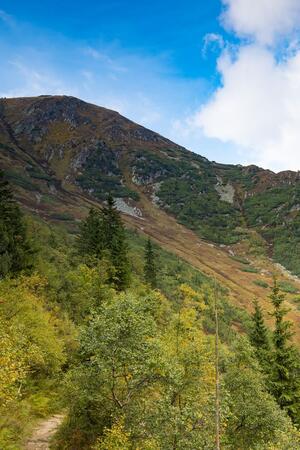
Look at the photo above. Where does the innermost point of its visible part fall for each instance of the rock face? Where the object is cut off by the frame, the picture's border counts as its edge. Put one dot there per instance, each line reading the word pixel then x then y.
pixel 54 147
pixel 226 192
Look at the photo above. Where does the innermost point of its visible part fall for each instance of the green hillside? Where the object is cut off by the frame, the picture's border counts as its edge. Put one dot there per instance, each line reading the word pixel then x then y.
pixel 125 258
pixel 52 147
pixel 131 367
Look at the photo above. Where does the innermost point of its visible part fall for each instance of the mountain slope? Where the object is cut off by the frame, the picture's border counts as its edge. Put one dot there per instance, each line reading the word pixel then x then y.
pixel 64 155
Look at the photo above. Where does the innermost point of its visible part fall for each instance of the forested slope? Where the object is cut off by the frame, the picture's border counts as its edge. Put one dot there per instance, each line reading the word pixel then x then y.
pixel 120 336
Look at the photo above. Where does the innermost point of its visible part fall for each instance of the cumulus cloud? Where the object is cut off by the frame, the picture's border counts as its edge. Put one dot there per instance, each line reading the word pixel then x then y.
pixel 263 20
pixel 257 106
pixel 212 40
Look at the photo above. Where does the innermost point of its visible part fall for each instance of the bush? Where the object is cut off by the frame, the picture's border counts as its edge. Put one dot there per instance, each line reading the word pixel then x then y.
pixel 249 269
pixel 240 259
pixel 288 287
pixel 261 283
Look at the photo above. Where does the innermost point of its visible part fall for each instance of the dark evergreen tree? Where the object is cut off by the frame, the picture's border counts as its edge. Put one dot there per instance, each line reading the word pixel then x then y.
pixel 102 235
pixel 150 272
pixel 91 238
pixel 116 245
pixel 15 250
pixel 259 337
pixel 285 365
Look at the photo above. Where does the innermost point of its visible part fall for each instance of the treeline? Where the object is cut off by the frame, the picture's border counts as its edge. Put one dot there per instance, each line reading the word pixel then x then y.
pixel 121 336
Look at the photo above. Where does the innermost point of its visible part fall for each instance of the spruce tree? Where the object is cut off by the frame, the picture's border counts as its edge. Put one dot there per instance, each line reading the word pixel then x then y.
pixel 259 337
pixel 102 235
pixel 150 266
pixel 286 368
pixel 116 245
pixel 91 240
pixel 15 250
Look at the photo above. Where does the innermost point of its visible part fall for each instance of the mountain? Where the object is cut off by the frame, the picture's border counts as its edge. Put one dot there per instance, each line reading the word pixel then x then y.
pixel 64 155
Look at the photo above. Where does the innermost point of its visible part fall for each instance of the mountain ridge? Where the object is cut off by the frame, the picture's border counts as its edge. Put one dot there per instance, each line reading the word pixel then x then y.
pixel 63 155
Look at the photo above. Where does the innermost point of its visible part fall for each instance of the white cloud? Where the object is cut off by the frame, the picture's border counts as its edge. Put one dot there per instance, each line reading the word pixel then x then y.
pixel 257 107
pixel 263 20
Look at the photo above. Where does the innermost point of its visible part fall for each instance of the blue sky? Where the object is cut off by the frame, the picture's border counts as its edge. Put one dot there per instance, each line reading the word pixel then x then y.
pixel 172 66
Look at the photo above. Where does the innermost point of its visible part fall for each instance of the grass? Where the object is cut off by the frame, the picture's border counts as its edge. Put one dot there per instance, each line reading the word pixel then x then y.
pixel 288 287
pixel 261 283
pixel 249 269
pixel 62 216
pixel 240 259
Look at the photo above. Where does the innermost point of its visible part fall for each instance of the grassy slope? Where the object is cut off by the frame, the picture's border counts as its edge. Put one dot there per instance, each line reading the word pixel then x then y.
pixel 66 202
pixel 212 260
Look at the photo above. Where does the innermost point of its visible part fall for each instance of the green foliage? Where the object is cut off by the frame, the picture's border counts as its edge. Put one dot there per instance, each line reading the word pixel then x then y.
pixel 102 236
pixel 271 212
pixel 154 369
pixel 286 364
pixel 33 350
pixel 240 259
pixel 36 172
pixel 102 175
pixel 288 287
pixel 261 283
pixel 255 420
pixel 150 265
pixel 268 207
pixel 85 288
pixel 23 307
pixel 249 269
pixel 65 216
pixel 15 249
pixel 22 181
pixel 188 191
pixel 259 337
pixel 142 376
pixel 90 241
pixel 114 438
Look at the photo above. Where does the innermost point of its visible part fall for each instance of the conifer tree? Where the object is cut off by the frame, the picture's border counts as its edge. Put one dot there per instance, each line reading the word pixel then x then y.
pixel 259 336
pixel 286 368
pixel 116 245
pixel 150 271
pixel 102 235
pixel 15 249
pixel 91 239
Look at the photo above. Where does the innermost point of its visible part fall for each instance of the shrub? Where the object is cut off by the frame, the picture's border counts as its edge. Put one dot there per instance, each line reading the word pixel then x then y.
pixel 261 283
pixel 288 287
pixel 240 259
pixel 249 269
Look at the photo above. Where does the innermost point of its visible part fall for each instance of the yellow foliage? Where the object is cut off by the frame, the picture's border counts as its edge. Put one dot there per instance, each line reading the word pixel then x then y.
pixel 191 297
pixel 23 309
pixel 13 367
pixel 115 438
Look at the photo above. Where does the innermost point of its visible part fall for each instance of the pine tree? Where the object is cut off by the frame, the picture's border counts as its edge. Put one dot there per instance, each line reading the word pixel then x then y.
pixel 286 368
pixel 91 240
pixel 150 266
pixel 15 250
pixel 116 245
pixel 102 235
pixel 259 337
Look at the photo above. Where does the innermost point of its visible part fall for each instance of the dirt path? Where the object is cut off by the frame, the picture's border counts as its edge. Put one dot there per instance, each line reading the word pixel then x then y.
pixel 43 432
